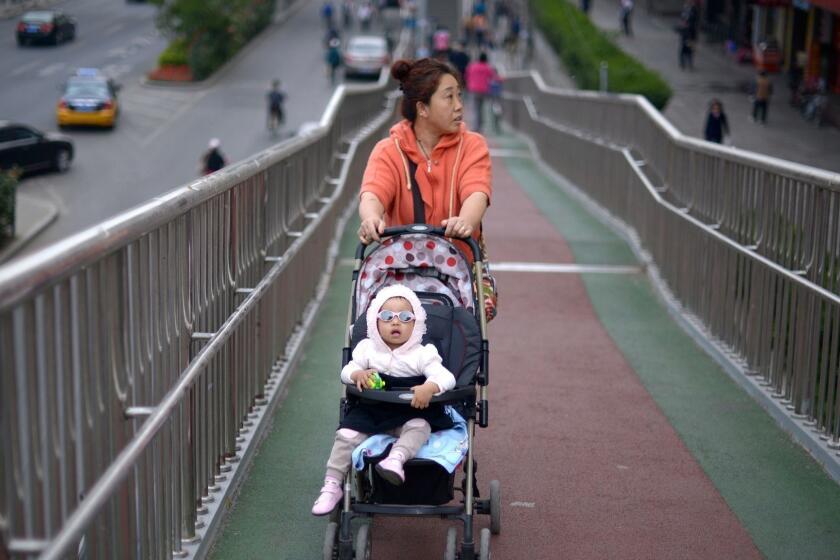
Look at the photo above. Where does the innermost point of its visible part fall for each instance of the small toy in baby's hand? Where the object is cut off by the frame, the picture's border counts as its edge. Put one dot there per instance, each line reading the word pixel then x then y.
pixel 375 382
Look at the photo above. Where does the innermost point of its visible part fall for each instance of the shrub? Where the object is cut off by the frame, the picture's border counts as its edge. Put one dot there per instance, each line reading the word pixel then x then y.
pixel 8 186
pixel 583 47
pixel 209 32
pixel 176 54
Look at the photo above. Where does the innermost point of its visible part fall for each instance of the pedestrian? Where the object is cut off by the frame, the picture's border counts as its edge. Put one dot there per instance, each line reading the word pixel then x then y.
pixel 626 12
pixel 364 14
pixel 762 90
pixel 213 159
pixel 459 58
pixel 396 322
pixel 432 150
pixel 347 13
pixel 686 49
pixel 717 126
pixel 452 163
pixel 479 76
pixel 275 98
pixel 327 14
pixel 585 6
pixel 689 19
pixel 440 43
pixel 333 59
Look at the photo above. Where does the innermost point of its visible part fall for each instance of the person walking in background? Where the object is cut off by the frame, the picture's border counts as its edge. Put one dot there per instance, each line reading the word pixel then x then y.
pixel 626 12
pixel 686 49
pixel 585 6
pixel 459 58
pixel 213 159
pixel 275 98
pixel 333 59
pixel 479 75
pixel 716 124
pixel 761 97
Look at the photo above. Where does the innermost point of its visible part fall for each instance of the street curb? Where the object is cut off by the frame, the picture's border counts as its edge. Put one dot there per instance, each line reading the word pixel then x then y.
pixel 48 213
pixel 278 19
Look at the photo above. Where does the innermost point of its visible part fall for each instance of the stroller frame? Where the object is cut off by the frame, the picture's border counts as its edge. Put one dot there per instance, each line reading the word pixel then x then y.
pixel 339 543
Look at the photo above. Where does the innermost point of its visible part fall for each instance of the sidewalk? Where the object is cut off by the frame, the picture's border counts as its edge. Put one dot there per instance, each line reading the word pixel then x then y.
pixel 33 215
pixel 787 135
pixel 612 433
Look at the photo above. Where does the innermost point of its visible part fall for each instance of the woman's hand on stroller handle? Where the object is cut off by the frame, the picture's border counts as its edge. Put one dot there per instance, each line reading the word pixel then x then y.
pixel 423 394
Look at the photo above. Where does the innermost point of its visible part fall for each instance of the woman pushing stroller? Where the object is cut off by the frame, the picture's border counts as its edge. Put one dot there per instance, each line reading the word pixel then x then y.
pixel 430 150
pixel 396 322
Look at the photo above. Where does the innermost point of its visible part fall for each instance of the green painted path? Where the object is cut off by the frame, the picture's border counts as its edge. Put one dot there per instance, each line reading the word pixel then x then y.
pixel 787 505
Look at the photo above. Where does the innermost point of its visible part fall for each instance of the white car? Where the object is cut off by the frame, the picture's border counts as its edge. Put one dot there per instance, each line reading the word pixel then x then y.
pixel 365 55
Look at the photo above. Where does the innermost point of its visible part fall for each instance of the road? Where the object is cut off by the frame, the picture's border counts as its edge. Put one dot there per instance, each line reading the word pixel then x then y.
pixel 162 129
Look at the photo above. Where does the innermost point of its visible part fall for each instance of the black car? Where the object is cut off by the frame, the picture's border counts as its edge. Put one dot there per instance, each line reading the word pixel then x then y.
pixel 45 27
pixel 28 149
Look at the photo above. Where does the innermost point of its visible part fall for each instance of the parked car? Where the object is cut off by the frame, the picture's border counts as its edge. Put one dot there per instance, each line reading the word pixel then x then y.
pixel 365 55
pixel 30 149
pixel 45 27
pixel 88 98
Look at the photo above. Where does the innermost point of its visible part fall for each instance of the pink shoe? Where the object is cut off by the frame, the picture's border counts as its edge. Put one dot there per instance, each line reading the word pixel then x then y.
pixel 391 469
pixel 330 496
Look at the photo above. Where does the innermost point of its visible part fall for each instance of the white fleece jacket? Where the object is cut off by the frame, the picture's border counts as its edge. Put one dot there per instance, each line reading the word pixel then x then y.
pixel 410 359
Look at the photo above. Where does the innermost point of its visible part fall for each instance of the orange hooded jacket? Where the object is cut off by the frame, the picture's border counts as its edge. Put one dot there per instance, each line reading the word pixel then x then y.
pixel 459 166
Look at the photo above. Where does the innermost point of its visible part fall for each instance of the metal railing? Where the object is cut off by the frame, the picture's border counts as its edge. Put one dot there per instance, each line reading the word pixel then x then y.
pixel 748 246
pixel 135 354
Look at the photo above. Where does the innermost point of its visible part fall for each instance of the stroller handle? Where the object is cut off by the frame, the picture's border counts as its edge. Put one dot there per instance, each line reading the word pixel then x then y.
pixel 422 228
pixel 404 397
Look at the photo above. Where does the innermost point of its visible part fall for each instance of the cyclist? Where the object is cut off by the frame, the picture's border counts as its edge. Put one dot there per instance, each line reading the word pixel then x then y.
pixel 275 98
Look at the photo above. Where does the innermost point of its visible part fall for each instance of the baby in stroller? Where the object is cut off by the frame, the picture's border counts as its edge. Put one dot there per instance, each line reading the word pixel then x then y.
pixel 396 323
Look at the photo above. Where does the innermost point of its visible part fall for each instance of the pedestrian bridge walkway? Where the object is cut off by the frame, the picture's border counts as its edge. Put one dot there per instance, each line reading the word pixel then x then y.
pixel 614 434
pixel 663 367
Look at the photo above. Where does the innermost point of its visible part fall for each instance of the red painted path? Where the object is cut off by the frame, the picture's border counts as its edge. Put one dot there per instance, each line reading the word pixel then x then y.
pixel 590 467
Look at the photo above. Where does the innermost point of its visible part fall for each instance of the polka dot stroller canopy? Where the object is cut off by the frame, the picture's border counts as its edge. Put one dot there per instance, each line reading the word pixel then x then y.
pixel 424 263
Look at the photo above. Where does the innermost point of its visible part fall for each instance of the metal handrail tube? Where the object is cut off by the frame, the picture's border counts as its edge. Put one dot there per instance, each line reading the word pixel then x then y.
pixel 119 468
pixel 778 322
pixel 761 201
pixel 136 291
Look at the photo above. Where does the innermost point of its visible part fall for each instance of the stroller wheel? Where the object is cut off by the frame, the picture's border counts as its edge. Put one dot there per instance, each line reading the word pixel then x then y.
pixel 363 543
pixel 330 549
pixel 484 545
pixel 495 507
pixel 451 544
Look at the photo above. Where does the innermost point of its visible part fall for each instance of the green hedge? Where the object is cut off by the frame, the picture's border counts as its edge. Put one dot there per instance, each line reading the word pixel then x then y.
pixel 176 54
pixel 8 186
pixel 583 47
pixel 207 33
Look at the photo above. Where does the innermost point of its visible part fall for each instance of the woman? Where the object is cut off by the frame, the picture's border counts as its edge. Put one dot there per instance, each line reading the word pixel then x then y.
pixel 716 124
pixel 452 163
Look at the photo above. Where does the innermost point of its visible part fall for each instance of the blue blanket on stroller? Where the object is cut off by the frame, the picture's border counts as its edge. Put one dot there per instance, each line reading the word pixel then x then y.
pixel 445 447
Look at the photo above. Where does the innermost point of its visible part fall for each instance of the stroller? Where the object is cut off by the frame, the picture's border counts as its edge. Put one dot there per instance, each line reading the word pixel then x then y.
pixel 420 257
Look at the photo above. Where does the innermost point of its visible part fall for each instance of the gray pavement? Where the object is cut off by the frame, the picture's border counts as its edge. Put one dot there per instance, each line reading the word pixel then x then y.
pixel 787 135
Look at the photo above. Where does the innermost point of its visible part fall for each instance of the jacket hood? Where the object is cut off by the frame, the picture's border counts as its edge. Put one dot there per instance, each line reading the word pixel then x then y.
pixel 396 290
pixel 403 132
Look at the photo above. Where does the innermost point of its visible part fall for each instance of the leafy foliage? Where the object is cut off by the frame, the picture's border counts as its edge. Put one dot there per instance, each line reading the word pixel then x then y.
pixel 8 186
pixel 207 33
pixel 583 47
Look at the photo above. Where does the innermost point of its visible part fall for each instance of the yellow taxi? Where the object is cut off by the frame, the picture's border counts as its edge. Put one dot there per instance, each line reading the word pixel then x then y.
pixel 89 99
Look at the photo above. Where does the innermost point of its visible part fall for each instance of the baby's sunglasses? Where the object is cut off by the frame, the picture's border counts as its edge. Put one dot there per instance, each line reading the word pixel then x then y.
pixel 403 316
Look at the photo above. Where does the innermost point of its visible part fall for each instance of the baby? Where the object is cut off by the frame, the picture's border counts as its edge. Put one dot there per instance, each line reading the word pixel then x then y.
pixel 396 322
